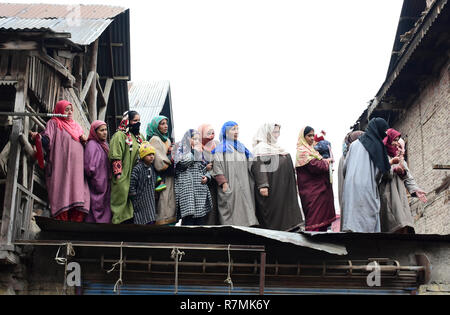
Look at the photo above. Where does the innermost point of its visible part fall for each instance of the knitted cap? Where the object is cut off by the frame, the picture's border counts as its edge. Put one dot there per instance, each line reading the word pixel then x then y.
pixel 146 149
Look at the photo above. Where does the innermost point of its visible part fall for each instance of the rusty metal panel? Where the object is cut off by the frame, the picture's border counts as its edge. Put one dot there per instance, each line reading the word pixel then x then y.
pixel 52 11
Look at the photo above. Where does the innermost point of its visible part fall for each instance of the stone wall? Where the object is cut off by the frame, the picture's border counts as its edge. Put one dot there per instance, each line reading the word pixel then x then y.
pixel 425 126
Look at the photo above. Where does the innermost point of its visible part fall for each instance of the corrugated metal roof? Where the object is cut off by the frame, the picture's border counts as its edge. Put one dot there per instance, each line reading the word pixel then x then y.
pixel 148 99
pixel 51 11
pixel 190 235
pixel 83 32
pixel 85 23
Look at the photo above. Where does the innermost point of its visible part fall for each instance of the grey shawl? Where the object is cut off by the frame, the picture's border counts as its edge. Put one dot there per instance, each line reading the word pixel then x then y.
pixel 395 209
pixel 361 199
pixel 237 204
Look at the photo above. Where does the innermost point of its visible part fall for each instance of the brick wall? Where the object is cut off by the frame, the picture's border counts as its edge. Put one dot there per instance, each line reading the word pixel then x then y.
pixel 425 125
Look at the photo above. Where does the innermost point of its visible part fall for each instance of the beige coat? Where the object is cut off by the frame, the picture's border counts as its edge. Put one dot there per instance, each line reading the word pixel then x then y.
pixel 165 209
pixel 395 209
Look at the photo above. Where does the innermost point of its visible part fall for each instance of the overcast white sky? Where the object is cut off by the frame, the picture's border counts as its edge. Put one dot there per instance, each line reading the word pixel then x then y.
pixel 294 62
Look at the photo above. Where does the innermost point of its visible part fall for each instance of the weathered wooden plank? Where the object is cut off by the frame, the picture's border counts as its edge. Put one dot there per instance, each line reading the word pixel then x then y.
pixel 108 86
pixel 10 200
pixel 92 94
pixel 3 64
pixel 87 86
pixel 117 78
pixel 441 167
pixel 19 45
pixel 58 67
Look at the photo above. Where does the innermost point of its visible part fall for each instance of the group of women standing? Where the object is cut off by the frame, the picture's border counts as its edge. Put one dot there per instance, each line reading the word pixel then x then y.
pixel 373 178
pixel 210 182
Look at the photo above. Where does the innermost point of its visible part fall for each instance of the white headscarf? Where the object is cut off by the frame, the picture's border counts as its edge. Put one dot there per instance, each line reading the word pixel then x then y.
pixel 264 143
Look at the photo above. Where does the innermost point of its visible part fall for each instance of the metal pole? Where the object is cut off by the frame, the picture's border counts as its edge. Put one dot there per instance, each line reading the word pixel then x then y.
pixel 32 114
pixel 262 274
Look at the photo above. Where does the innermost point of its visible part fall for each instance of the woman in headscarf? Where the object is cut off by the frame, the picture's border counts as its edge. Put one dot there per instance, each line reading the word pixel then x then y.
pixel 364 166
pixel 349 139
pixel 193 199
pixel 97 170
pixel 67 187
pixel 276 194
pixel 396 214
pixel 123 154
pixel 231 170
pixel 158 136
pixel 314 186
pixel 207 134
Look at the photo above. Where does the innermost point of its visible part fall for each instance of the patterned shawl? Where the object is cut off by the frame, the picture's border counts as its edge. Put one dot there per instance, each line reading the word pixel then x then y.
pixel 125 128
pixel 305 152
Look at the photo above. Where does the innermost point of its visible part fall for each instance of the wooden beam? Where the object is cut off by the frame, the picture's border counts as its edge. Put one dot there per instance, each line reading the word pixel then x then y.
pixel 104 97
pixel 26 146
pixel 92 94
pixel 87 86
pixel 37 120
pixel 8 226
pixel 441 167
pixel 107 91
pixel 58 67
pixel 117 78
pixel 112 44
pixel 19 45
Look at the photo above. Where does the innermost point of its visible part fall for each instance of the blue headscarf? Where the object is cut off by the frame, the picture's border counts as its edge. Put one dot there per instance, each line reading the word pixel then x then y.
pixel 229 145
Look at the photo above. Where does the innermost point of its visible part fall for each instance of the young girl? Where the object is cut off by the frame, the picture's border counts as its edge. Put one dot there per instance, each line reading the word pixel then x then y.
pixel 142 186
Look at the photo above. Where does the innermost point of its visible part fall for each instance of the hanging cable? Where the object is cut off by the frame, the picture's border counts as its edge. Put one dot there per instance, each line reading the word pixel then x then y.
pixel 70 252
pixel 229 281
pixel 120 263
pixel 177 255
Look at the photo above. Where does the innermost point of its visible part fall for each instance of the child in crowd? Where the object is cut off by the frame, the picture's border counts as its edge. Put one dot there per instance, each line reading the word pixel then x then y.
pixel 323 146
pixel 142 186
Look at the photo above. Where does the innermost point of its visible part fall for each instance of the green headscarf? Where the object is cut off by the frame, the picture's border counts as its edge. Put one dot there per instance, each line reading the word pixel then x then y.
pixel 153 130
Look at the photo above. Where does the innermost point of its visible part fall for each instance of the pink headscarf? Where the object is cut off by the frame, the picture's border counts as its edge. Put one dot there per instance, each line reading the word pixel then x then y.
pixel 69 125
pixel 392 134
pixel 208 143
pixel 93 134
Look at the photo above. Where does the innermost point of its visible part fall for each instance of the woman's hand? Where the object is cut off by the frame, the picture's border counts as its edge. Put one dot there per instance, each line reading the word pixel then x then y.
pixel 422 196
pixel 264 192
pixel 209 167
pixel 118 176
pixel 83 139
pixel 33 135
pixel 225 187
pixel 204 180
pixel 395 160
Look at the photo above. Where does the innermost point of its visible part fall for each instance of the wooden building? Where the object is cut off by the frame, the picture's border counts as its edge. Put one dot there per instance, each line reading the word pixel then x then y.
pixel 47 53
pixel 415 100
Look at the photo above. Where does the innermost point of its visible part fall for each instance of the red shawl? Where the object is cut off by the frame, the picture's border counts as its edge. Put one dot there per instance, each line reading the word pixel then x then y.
pixel 69 125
